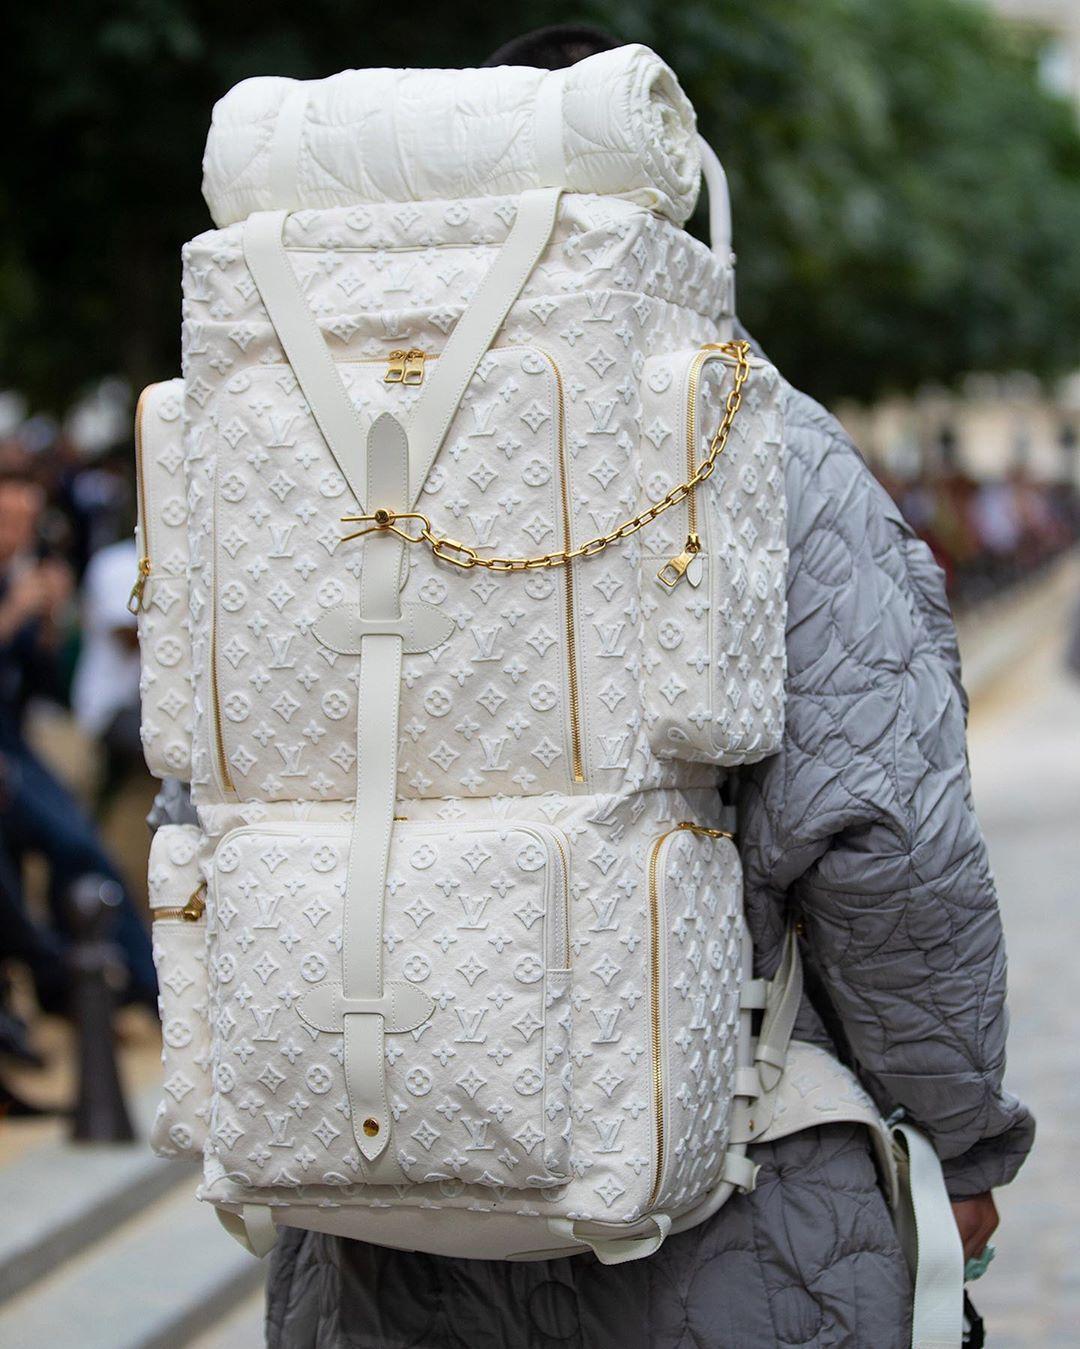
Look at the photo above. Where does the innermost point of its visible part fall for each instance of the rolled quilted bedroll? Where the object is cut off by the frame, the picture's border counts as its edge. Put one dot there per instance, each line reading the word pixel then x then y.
pixel 616 123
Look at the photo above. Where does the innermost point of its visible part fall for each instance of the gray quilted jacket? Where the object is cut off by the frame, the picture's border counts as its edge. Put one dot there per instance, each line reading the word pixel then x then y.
pixel 863 826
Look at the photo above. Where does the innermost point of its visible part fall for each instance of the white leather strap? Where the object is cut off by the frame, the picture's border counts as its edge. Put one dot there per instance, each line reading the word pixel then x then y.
pixel 614 1250
pixel 719 201
pixel 781 1007
pixel 253 1227
pixel 931 1242
pixel 285 147
pixel 548 130
pixel 475 331
pixel 305 347
pixel 378 699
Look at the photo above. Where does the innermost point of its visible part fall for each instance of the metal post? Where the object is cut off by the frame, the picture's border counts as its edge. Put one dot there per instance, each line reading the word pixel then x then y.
pixel 101 1114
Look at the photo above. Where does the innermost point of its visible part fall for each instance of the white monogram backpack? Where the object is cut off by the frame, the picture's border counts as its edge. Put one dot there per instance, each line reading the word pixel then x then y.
pixel 463 585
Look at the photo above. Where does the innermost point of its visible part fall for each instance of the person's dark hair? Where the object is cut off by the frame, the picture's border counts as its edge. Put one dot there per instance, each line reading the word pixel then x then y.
pixel 554 47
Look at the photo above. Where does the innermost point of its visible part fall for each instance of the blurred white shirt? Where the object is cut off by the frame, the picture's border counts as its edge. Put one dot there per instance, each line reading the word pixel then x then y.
pixel 107 674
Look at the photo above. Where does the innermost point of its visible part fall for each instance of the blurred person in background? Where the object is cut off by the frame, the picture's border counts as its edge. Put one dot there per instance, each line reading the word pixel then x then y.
pixel 105 690
pixel 37 813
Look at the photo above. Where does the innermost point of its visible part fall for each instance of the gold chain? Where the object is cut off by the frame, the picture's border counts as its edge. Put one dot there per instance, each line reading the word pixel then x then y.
pixel 462 555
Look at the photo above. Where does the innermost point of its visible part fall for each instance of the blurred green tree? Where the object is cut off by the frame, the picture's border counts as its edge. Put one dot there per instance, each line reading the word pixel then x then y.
pixel 906 195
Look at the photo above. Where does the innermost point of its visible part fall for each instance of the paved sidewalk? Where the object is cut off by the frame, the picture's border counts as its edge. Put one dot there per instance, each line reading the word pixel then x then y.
pixel 1025 755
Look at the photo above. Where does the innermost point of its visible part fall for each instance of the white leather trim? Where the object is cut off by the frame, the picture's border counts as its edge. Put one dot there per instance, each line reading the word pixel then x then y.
pixel 378 698
pixel 720 236
pixel 548 129
pixel 285 148
pixel 931 1243
pixel 475 331
pixel 402 1006
pixel 253 1227
pixel 421 627
pixel 781 1008
pixel 614 1250
pixel 305 347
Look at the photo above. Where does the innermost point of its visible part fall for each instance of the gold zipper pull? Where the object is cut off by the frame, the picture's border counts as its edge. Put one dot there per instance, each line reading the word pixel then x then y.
pixel 395 369
pixel 414 366
pixel 671 573
pixel 135 599
pixel 194 909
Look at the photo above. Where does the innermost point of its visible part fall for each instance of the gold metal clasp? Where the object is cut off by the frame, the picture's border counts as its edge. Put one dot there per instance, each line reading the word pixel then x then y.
pixel 395 367
pixel 671 573
pixel 414 366
pixel 135 599
pixel 194 909
pixel 405 366
pixel 387 522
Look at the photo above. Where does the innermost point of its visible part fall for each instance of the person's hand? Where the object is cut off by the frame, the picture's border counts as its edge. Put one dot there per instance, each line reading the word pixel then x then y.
pixel 976 1220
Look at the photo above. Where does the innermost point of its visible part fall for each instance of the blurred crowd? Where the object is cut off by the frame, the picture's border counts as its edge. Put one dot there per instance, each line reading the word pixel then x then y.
pixel 67 561
pixel 67 564
pixel 987 535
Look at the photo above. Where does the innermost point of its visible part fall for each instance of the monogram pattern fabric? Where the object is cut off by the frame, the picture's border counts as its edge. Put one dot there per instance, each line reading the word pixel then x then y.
pixel 714 639
pixel 164 618
pixel 179 948
pixel 593 1081
pixel 636 879
pixel 480 1090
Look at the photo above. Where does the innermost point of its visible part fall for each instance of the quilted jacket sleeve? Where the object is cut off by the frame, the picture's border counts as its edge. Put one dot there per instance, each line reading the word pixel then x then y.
pixel 864 822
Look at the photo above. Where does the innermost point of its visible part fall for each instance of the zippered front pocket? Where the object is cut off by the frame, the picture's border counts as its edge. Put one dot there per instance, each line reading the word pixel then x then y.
pixel 714 571
pixel 177 907
pixel 696 952
pixel 477 918
pixel 285 706
pixel 159 596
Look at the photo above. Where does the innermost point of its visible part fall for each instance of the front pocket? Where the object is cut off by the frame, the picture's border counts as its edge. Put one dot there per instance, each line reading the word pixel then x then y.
pixel 285 705
pixel 476 917
pixel 697 954
pixel 714 569
pixel 159 597
pixel 179 946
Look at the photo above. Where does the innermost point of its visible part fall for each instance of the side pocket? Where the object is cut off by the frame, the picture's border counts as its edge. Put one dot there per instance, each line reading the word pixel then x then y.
pixel 714 569
pixel 159 596
pixel 178 908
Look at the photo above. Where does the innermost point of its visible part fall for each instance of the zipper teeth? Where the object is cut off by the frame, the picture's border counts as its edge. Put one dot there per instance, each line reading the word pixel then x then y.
pixel 568 574
pixel 655 973
pixel 140 477
pixel 691 439
pixel 566 900
pixel 219 731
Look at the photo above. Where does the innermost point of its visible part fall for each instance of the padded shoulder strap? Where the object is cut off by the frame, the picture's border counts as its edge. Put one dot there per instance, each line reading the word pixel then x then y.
pixel 475 330
pixel 305 347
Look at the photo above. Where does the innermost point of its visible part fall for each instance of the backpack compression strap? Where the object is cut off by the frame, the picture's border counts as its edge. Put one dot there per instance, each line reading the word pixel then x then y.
pixel 305 347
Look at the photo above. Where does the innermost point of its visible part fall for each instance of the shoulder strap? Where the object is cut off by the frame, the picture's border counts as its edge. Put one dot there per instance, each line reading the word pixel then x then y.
pixel 305 347
pixel 306 350
pixel 475 330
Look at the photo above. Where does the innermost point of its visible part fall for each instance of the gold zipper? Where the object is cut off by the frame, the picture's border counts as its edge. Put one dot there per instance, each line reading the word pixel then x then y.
pixel 191 912
pixel 135 599
pixel 405 366
pixel 671 573
pixel 655 925
pixel 577 760
pixel 224 775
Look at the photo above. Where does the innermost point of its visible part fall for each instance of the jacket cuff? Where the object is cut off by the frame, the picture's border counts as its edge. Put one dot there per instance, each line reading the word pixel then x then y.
pixel 991 1162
